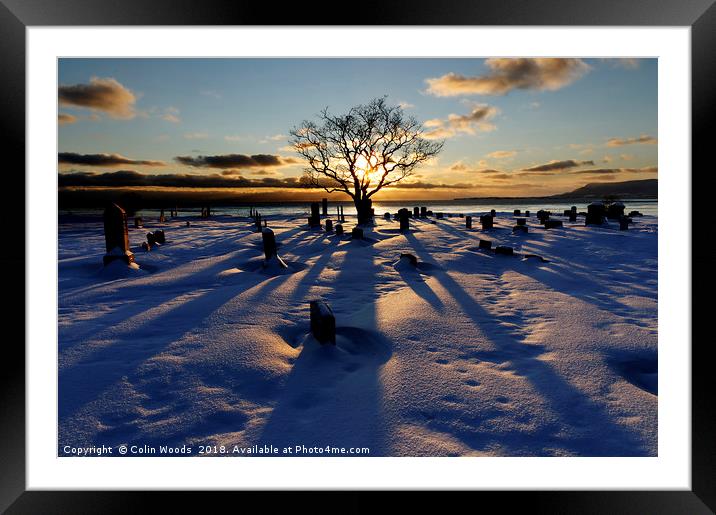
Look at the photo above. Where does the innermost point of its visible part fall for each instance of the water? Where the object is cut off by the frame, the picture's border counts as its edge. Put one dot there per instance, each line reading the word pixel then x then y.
pixel 467 207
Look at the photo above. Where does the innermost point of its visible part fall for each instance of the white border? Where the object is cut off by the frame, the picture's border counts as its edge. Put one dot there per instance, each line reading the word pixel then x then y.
pixel 672 467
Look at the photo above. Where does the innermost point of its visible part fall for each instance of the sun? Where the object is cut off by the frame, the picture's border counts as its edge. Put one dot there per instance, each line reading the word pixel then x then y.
pixel 366 168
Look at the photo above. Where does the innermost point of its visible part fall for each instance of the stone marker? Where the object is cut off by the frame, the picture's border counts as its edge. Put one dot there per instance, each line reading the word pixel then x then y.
pixel 573 209
pixel 188 224
pixel 410 258
pixel 503 251
pixel 416 212
pixel 404 218
pixel 552 224
pixel 439 215
pixel 357 233
pixel 535 256
pixel 468 222
pixel 486 221
pixel 527 214
pixel 138 222
pixel 151 239
pixel 624 223
pixel 595 214
pixel 520 228
pixel 485 244
pixel 521 221
pixel 315 219
pixel 493 213
pixel 635 213
pixel 387 216
pixel 323 322
pixel 542 215
pixel 461 215
pixel 429 212
pixel 615 211
pixel 324 204
pixel 423 212
pixel 517 212
pixel 269 241
pixel 567 212
pixel 572 216
pixel 329 225
pixel 116 235
pixel 339 230
pixel 159 237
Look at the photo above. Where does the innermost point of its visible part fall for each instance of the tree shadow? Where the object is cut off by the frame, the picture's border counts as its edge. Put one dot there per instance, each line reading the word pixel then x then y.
pixel 592 430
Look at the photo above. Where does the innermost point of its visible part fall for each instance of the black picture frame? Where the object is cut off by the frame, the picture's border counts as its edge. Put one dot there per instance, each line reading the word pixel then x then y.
pixel 17 15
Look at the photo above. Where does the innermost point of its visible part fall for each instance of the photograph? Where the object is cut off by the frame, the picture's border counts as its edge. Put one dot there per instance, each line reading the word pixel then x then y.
pixel 357 257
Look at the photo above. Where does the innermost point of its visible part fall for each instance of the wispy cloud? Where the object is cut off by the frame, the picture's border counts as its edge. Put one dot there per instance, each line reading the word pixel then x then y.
pixel 103 160
pixel 227 161
pixel 644 139
pixel 502 154
pixel 558 165
pixel 477 120
pixel 171 114
pixel 196 135
pixel 66 119
pixel 507 74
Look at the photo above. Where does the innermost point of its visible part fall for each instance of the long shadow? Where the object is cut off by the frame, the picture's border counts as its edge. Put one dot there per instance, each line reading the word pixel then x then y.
pixel 332 395
pixel 597 434
pixel 86 380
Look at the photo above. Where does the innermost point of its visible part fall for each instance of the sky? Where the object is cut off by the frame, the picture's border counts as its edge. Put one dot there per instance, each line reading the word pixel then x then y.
pixel 511 127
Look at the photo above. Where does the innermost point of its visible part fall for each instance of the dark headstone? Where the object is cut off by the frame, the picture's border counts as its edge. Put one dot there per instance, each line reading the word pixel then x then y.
pixel 315 219
pixel 573 209
pixel 504 251
pixel 615 210
pixel 188 224
pixel 324 205
pixel 404 218
pixel 485 244
pixel 429 213
pixel 339 230
pixel 439 215
pixel 552 224
pixel 572 216
pixel 521 221
pixel 527 214
pixel 542 215
pixel 357 233
pixel 323 322
pixel 468 222
pixel 624 223
pixel 151 239
pixel 486 222
pixel 269 242
pixel 410 258
pixel 520 228
pixel 517 212
pixel 329 225
pixel 116 235
pixel 567 212
pixel 387 216
pixel 595 213
pixel 493 213
pixel 159 237
pixel 162 218
pixel 635 213
pixel 416 212
pixel 423 212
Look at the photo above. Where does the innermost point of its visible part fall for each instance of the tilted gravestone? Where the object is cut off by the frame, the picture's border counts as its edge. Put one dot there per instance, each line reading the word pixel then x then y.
pixel 323 322
pixel 329 225
pixel 339 230
pixel 159 236
pixel 271 257
pixel 357 233
pixel 468 222
pixel 503 250
pixel 116 236
pixel 387 216
pixel 409 258
pixel 485 244
pixel 151 239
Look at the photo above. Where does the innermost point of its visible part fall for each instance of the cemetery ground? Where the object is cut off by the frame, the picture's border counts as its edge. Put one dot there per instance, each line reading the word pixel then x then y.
pixel 469 353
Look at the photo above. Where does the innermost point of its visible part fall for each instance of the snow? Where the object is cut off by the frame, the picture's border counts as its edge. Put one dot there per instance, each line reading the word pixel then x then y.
pixel 468 354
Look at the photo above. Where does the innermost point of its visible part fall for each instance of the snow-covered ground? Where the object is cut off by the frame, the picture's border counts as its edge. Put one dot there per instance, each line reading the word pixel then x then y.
pixel 470 354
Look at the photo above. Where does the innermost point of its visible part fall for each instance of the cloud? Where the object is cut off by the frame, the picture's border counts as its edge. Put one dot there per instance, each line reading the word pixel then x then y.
pixel 502 154
pixel 540 74
pixel 66 119
pixel 226 161
pixel 628 63
pixel 431 186
pixel 558 165
pixel 478 119
pixel 131 178
pixel 406 105
pixel 103 160
pixel 275 137
pixel 171 114
pixel 610 171
pixel 644 139
pixel 101 94
pixel 458 167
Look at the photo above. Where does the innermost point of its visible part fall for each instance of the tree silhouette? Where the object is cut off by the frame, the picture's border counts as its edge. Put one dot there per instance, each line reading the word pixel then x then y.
pixel 363 151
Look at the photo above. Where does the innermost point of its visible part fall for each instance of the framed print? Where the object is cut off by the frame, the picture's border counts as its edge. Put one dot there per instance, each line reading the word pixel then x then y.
pixel 419 251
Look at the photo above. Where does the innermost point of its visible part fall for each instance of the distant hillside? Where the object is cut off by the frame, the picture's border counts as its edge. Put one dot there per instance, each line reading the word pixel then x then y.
pixel 646 188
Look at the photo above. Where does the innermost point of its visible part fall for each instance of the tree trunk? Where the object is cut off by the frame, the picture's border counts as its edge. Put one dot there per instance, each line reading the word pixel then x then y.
pixel 364 208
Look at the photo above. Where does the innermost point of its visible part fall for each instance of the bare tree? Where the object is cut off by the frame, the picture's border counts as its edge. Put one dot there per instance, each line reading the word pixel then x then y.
pixel 372 146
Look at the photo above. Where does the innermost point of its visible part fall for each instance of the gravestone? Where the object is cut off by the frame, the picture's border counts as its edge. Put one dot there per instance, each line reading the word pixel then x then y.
pixel 324 204
pixel 486 222
pixel 439 215
pixel 404 221
pixel 188 224
pixel 151 240
pixel 429 212
pixel 517 212
pixel 357 233
pixel 339 230
pixel 567 212
pixel 527 214
pixel 572 216
pixel 323 322
pixel 521 221
pixel 387 216
pixel 468 222
pixel 423 212
pixel 329 225
pixel 116 235
pixel 315 219
pixel 410 258
pixel 503 250
pixel 416 212
pixel 159 237
pixel 269 242
pixel 573 209
pixel 520 228
pixel 615 210
pixel 542 215
pixel 635 213
pixel 493 213
pixel 595 214
pixel 485 244
pixel 552 224
pixel 624 223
